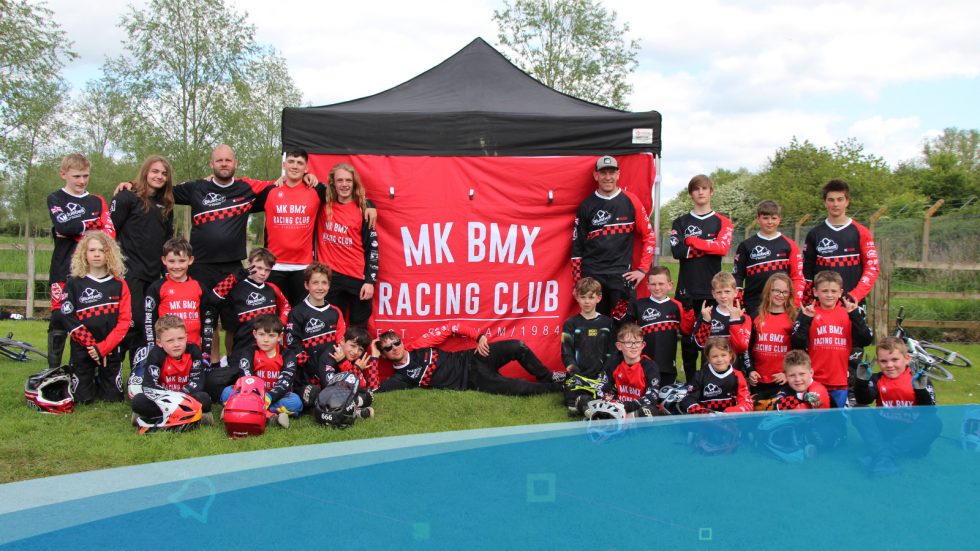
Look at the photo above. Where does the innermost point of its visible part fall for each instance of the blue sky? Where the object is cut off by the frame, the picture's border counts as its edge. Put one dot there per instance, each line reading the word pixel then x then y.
pixel 734 80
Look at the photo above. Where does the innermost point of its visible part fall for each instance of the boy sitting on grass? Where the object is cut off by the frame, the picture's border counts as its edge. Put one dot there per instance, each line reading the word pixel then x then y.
pixel 173 364
pixel 896 426
pixel 828 332
pixel 635 380
pixel 801 392
pixel 718 386
pixel 586 343
pixel 349 356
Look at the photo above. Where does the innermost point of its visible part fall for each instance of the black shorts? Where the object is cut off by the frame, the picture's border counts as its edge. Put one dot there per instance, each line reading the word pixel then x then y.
pixel 291 283
pixel 209 275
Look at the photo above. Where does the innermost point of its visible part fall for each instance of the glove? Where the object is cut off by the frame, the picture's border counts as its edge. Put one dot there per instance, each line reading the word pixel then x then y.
pixel 241 274
pixel 268 401
pixel 864 371
pixel 697 409
pixel 812 399
pixel 920 382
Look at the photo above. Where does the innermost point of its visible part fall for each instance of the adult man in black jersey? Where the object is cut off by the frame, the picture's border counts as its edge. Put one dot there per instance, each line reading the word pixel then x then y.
pixel 606 225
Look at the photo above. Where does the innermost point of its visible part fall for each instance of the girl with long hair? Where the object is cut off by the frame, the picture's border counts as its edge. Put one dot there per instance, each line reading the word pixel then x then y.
pixel 769 343
pixel 347 244
pixel 144 221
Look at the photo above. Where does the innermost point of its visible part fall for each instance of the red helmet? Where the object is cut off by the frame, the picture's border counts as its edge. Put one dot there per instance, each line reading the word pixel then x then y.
pixel 245 414
pixel 181 412
pixel 49 391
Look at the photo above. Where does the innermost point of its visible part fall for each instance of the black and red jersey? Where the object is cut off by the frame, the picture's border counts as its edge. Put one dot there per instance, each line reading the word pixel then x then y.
pixel 246 300
pixel 660 321
pixel 183 374
pixel 277 372
pixel 587 344
pixel 895 397
pixel 312 331
pixel 848 250
pixel 789 399
pixel 220 216
pixel 737 331
pixel 768 345
pixel 605 228
pixel 368 377
pixel 188 301
pixel 290 218
pixel 96 312
pixel 699 242
pixel 430 367
pixel 141 233
pixel 759 257
pixel 71 216
pixel 636 386
pixel 711 391
pixel 346 243
pixel 828 338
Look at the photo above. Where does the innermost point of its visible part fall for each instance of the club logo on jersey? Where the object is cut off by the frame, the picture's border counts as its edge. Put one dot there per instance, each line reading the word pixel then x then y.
pixel 112 206
pixel 351 379
pixel 314 325
pixel 66 307
pixel 601 218
pixel 651 314
pixel 280 194
pixel 692 231
pixel 374 243
pixel 243 365
pixel 826 246
pixel 760 252
pixel 254 299
pixel 872 253
pixel 374 255
pixel 149 304
pixel 73 211
pixel 712 390
pixel 414 373
pixel 717 326
pixel 89 295
pixel 213 199
pixel 673 239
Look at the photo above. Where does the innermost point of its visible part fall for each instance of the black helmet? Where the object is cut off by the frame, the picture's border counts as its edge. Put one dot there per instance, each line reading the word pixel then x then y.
pixel 337 401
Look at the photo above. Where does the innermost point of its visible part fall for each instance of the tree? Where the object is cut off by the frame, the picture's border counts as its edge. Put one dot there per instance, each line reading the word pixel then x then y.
pixel 734 197
pixel 573 46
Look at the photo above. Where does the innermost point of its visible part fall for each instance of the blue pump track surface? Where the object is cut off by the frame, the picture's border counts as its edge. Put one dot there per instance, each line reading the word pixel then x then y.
pixel 638 485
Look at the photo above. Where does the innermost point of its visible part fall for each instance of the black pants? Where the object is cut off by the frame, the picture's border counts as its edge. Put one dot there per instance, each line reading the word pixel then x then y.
pixel 345 294
pixel 484 372
pixel 218 378
pixel 84 371
pixel 667 379
pixel 135 338
pixel 891 438
pixel 57 337
pixel 209 275
pixel 615 295
pixel 150 412
pixel 855 358
pixel 291 284
pixel 690 350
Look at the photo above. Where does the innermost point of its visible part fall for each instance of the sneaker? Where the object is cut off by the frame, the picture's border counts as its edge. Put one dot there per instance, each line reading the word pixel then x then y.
pixel 574 413
pixel 207 419
pixel 559 376
pixel 810 451
pixel 885 466
pixel 136 420
pixel 581 404
pixel 283 420
pixel 364 413
pixel 16 316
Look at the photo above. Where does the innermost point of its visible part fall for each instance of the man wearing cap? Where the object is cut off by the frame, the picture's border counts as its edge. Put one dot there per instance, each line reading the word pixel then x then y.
pixel 606 226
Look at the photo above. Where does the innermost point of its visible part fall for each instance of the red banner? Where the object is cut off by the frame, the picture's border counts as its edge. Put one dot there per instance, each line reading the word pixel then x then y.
pixel 485 241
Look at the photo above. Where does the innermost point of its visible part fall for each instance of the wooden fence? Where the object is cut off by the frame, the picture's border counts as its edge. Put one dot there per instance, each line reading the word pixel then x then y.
pixel 32 276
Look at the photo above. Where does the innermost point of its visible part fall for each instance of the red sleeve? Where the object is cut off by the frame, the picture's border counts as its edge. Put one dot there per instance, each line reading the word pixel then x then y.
pixel 717 246
pixel 282 305
pixel 106 217
pixel 643 258
pixel 703 332
pixel 687 318
pixel 123 318
pixel 223 288
pixel 257 185
pixel 869 261
pixel 437 336
pixel 341 327
pixel 743 399
pixel 740 334
pixel 796 271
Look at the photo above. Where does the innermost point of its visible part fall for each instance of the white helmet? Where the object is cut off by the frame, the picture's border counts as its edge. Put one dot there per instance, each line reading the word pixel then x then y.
pixel 600 410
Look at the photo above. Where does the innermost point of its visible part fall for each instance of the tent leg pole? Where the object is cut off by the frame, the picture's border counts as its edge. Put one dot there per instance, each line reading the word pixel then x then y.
pixel 656 208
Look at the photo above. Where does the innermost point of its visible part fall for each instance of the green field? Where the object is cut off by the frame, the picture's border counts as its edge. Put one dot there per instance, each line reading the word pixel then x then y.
pixel 100 436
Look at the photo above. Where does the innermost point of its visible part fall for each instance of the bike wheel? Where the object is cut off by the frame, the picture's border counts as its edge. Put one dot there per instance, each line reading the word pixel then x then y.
pixel 21 351
pixel 946 356
pixel 938 373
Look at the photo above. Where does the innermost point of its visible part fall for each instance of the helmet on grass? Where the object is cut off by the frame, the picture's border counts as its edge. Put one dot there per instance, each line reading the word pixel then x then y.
pixel 244 413
pixel 970 429
pixel 181 412
pixel 49 391
pixel 717 435
pixel 337 401
pixel 778 435
pixel 607 421
pixel 670 398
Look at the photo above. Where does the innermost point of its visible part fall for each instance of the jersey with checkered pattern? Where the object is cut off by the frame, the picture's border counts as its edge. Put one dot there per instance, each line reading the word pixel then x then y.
pixel 848 250
pixel 757 258
pixel 277 372
pixel 636 386
pixel 185 299
pixel 768 345
pixel 602 241
pixel 586 344
pixel 184 374
pixel 787 398
pixel 712 391
pixel 311 333
pixel 699 242
pixel 71 216
pixel 220 216
pixel 368 377
pixel 246 300
pixel 737 331
pixel 96 312
pixel 430 367
pixel 660 321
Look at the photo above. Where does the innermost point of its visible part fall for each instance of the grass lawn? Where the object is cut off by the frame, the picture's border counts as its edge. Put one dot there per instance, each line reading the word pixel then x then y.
pixel 100 436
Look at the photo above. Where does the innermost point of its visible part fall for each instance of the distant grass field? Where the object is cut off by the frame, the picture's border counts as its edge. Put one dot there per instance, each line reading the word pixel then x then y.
pixel 100 436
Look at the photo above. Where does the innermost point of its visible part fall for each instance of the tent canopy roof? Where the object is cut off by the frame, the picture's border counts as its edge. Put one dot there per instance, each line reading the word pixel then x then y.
pixel 476 103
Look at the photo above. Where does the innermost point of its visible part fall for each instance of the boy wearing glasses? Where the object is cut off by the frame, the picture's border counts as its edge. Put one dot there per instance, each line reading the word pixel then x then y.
pixel 634 381
pixel 420 364
pixel 764 254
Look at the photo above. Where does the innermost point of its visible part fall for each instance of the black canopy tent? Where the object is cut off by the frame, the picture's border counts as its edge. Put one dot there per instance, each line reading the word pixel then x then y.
pixel 476 103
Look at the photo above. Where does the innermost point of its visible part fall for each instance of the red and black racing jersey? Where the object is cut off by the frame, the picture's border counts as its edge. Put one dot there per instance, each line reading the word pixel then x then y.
pixel 346 243
pixel 430 367
pixel 757 258
pixel 290 218
pixel 636 386
pixel 768 346
pixel 605 228
pixel 699 242
pixel 183 374
pixel 277 372
pixel 828 338
pixel 711 391
pixel 96 312
pixel 895 397
pixel 246 300
pixel 848 250
pixel 660 321
pixel 72 216
pixel 787 398
pixel 220 216
pixel 188 301
pixel 312 332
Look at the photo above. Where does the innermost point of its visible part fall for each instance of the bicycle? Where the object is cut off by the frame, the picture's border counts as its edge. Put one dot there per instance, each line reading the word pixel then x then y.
pixel 926 356
pixel 20 351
